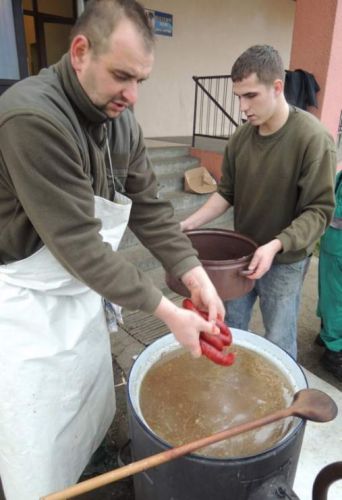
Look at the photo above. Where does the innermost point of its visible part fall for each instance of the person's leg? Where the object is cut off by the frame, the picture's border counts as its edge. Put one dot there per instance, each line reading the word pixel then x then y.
pixel 279 294
pixel 330 309
pixel 239 311
pixel 330 300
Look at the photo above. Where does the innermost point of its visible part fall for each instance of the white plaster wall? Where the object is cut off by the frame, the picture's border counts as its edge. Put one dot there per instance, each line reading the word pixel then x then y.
pixel 208 35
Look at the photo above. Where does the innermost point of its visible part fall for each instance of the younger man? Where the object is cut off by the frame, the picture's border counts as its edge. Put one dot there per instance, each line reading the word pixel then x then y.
pixel 278 172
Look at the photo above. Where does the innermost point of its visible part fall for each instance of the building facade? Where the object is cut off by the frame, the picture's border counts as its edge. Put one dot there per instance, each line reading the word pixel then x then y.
pixel 193 38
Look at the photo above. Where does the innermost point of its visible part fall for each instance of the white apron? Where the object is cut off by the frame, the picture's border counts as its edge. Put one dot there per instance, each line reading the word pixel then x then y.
pixel 57 396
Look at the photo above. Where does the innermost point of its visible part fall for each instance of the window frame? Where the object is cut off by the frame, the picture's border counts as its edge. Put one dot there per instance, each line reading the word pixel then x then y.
pixel 20 43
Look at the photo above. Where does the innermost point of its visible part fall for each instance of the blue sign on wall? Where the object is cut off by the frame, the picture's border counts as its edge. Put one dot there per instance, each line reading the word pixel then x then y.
pixel 162 23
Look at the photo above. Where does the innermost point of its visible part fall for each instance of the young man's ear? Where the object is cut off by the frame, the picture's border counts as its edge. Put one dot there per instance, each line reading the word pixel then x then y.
pixel 79 50
pixel 278 86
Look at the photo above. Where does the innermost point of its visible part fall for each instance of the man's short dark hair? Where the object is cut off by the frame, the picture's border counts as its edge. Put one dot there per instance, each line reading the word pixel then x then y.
pixel 263 60
pixel 100 18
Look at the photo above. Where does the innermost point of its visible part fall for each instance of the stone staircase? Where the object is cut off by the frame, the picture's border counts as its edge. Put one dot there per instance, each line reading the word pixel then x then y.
pixel 170 164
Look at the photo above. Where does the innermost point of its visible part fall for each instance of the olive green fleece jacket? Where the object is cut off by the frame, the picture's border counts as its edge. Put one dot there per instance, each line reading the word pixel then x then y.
pixel 53 161
pixel 281 185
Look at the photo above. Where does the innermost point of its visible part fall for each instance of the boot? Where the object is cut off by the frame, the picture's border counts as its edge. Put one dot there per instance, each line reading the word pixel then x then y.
pixel 332 361
pixel 319 341
pixel 103 460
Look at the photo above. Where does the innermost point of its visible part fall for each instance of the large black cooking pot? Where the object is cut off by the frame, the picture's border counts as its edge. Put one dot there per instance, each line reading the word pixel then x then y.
pixel 225 256
pixel 268 475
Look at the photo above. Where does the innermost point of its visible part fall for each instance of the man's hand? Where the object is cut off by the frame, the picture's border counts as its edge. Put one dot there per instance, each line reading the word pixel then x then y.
pixel 203 293
pixel 263 258
pixel 185 325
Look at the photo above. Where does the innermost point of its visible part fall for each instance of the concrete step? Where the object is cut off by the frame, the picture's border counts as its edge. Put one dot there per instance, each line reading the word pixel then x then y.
pixel 171 182
pixel 182 200
pixel 167 152
pixel 175 165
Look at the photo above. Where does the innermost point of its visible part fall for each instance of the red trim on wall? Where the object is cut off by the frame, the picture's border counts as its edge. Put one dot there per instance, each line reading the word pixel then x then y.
pixel 211 160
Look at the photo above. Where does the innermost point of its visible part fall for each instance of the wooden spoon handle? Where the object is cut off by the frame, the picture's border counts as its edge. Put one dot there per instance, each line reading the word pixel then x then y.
pixel 164 456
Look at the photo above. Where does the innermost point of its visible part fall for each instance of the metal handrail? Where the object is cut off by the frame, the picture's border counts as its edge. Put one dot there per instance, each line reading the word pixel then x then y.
pixel 213 98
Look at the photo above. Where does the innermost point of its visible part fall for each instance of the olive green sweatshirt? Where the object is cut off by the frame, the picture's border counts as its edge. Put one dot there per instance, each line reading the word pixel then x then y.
pixel 53 160
pixel 281 185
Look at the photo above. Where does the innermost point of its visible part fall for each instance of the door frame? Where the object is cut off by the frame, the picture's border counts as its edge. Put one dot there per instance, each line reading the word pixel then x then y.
pixel 39 19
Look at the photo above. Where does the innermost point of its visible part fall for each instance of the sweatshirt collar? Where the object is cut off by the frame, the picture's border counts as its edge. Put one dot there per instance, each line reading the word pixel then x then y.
pixel 75 92
pixel 278 133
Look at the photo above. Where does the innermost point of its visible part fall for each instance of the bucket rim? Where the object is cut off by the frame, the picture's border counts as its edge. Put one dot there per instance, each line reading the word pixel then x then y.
pixel 228 234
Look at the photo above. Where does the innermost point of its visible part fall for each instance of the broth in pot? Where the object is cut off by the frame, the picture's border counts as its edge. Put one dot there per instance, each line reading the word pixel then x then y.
pixel 183 399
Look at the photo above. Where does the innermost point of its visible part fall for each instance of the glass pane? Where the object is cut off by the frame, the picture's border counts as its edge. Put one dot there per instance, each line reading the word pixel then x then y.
pixel 57 7
pixel 31 45
pixel 9 66
pixel 80 6
pixel 27 5
pixel 56 41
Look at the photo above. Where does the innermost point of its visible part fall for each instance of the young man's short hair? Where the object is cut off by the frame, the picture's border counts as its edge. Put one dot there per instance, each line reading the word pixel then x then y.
pixel 263 60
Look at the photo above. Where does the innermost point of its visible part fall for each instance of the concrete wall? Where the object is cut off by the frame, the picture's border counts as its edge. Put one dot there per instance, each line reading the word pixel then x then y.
pixel 207 38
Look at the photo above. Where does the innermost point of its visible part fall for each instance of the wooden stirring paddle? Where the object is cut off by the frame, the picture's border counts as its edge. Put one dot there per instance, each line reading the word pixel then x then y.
pixel 309 404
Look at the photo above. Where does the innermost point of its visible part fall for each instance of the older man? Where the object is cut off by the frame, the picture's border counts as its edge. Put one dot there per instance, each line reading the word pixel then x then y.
pixel 73 172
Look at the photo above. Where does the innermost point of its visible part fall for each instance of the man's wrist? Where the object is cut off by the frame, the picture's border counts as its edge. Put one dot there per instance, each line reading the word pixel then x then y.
pixel 191 278
pixel 276 245
pixel 165 309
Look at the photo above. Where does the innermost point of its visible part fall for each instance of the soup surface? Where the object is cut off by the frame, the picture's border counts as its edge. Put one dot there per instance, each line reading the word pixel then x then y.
pixel 183 399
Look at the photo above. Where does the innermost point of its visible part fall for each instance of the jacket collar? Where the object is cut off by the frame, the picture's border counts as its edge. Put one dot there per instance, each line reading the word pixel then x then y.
pixel 75 92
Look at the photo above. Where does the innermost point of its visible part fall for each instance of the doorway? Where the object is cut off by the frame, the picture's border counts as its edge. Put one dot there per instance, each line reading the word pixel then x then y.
pixel 47 25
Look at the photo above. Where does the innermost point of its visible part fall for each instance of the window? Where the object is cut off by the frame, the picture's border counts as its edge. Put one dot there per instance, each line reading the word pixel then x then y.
pixel 12 49
pixel 47 27
pixel 9 66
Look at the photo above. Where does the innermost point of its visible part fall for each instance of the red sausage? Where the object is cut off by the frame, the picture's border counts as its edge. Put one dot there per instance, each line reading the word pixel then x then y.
pixel 224 329
pixel 212 345
pixel 187 304
pixel 225 339
pixel 216 356
pixel 213 340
